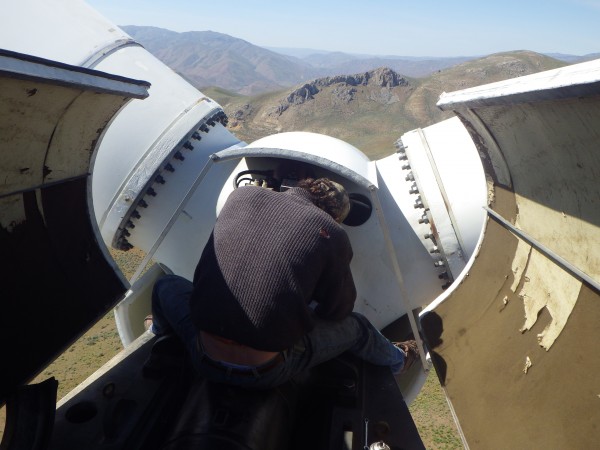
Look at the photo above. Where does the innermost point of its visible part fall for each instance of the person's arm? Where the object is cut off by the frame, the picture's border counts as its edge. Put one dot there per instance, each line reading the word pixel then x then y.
pixel 335 291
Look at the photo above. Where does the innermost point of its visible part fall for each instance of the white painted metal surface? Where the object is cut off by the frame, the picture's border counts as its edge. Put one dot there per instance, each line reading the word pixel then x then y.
pixel 444 172
pixel 157 185
pixel 334 151
pixel 146 134
pixel 47 29
pixel 538 136
pixel 565 82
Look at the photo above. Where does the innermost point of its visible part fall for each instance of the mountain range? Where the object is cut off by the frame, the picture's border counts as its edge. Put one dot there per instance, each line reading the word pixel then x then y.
pixel 372 109
pixel 208 58
pixel 364 100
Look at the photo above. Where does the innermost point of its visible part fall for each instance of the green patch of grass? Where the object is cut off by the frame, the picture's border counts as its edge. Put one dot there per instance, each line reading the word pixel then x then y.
pixel 433 418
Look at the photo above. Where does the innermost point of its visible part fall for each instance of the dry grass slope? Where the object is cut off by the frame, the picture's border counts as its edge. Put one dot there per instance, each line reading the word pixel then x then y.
pixel 369 116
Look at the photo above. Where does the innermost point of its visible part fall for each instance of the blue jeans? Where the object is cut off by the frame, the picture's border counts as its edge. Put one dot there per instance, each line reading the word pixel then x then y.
pixel 327 340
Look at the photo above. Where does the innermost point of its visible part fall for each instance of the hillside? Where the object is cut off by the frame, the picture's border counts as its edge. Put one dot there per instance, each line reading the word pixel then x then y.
pixel 496 67
pixel 414 67
pixel 361 109
pixel 207 58
pixel 370 110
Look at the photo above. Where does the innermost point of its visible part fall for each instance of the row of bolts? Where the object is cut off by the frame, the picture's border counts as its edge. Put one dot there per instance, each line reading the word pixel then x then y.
pixel 219 117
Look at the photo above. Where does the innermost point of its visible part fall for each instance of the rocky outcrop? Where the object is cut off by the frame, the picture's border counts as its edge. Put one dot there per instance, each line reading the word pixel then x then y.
pixel 240 115
pixel 385 77
pixel 343 94
pixel 384 96
pixel 302 94
pixel 345 88
pixel 382 77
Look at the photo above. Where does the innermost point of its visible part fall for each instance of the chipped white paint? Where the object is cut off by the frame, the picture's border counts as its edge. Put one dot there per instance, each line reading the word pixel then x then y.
pixel 520 263
pixel 543 285
pixel 528 364
pixel 548 286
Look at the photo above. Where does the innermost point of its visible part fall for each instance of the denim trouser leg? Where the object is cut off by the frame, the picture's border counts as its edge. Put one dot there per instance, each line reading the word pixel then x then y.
pixel 356 335
pixel 171 310
pixel 328 340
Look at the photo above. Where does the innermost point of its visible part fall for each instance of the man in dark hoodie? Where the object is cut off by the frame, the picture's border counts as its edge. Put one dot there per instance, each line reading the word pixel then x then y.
pixel 273 293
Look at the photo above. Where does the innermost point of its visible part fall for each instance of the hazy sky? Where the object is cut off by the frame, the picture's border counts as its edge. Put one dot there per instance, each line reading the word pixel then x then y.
pixel 382 27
